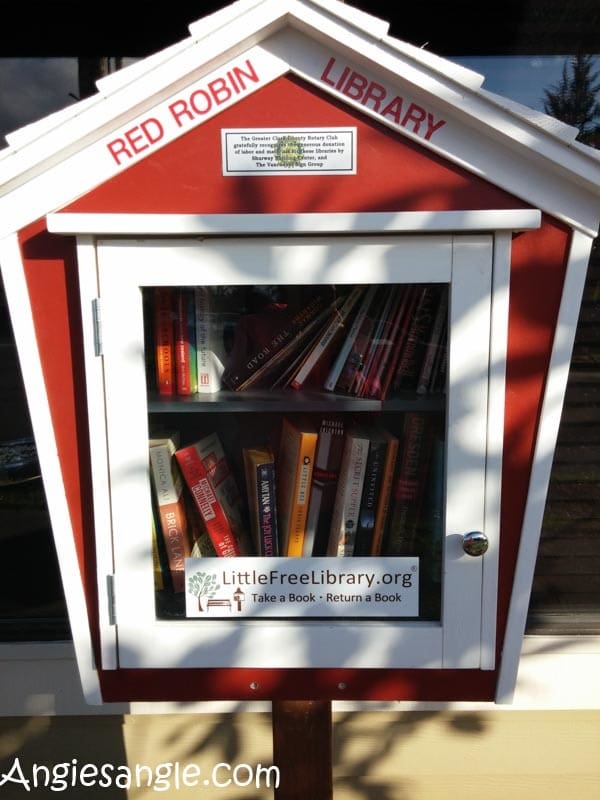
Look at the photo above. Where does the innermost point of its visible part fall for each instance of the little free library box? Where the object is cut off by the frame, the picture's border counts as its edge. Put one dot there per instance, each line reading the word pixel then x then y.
pixel 294 302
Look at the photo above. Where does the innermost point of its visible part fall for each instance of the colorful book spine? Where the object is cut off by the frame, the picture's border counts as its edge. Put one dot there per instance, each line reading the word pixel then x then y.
pixel 186 372
pixel 328 458
pixel 164 340
pixel 259 468
pixel 214 491
pixel 209 368
pixel 342 535
pixel 168 493
pixel 295 463
pixel 328 338
pixel 348 344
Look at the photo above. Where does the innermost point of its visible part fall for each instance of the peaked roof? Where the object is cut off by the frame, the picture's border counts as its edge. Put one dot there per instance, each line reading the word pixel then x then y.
pixel 295 34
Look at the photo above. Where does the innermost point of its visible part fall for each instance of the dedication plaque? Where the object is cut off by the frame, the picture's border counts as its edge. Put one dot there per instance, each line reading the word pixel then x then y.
pixel 278 151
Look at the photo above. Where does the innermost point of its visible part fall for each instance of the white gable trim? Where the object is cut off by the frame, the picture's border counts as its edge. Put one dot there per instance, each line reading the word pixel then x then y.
pixel 41 173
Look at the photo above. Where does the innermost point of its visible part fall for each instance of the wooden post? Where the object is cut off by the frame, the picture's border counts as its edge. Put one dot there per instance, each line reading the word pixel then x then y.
pixel 303 749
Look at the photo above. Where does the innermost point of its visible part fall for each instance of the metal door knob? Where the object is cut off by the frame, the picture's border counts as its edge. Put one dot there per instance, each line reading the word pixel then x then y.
pixel 475 543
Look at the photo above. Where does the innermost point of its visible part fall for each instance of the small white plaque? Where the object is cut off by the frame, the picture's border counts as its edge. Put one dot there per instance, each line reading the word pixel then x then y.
pixel 302 587
pixel 279 151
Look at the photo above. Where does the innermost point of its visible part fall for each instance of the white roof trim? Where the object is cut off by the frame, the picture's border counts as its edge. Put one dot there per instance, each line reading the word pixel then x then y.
pixel 231 224
pixel 363 39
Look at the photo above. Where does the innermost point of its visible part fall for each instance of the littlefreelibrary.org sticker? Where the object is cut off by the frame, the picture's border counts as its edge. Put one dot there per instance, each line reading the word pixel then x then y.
pixel 277 151
pixel 302 587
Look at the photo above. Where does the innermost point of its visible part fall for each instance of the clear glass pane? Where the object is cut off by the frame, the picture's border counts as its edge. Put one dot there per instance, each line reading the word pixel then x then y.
pixel 297 421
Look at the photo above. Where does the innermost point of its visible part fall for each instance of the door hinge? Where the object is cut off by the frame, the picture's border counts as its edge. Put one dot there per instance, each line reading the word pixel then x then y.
pixel 97 321
pixel 110 592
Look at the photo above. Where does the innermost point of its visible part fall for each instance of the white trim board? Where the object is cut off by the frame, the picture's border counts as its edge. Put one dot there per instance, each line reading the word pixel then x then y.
pixel 253 224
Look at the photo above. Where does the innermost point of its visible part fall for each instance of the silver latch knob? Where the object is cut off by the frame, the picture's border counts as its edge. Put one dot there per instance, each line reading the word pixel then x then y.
pixel 475 543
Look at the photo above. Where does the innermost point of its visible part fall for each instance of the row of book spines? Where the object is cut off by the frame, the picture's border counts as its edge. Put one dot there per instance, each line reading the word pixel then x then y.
pixel 366 484
pixel 185 362
pixel 379 342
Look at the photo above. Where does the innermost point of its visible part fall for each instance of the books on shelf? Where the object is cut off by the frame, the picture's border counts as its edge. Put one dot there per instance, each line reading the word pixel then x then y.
pixel 273 372
pixel 347 346
pixel 168 494
pixel 262 336
pixel 421 317
pixel 328 339
pixel 259 469
pixel 410 484
pixel 346 510
pixel 326 471
pixel 214 490
pixel 294 467
pixel 365 341
pixel 434 346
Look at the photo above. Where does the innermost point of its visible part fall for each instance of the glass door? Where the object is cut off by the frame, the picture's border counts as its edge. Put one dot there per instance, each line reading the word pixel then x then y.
pixel 296 439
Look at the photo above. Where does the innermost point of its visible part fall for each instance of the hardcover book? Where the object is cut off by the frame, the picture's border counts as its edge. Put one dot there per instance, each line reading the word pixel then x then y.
pixel 168 494
pixel 209 363
pixel 344 523
pixel 409 364
pixel 378 341
pixel 348 343
pixel 328 340
pixel 213 488
pixel 259 469
pixel 385 493
pixel 260 336
pixel 434 346
pixel 374 489
pixel 328 457
pixel 294 464
pixel 184 327
pixel 410 485
pixel 164 340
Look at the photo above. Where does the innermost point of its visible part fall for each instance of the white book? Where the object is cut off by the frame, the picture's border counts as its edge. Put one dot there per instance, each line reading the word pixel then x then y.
pixel 210 366
pixel 346 510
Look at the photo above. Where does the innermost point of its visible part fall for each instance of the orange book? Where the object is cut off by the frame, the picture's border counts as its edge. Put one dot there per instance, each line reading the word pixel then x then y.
pixel 294 467
pixel 383 504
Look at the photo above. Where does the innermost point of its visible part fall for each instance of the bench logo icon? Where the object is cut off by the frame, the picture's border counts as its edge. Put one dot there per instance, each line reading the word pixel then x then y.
pixel 204 586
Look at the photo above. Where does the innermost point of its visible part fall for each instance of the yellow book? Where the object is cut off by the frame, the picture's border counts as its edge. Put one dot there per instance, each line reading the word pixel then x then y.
pixel 294 467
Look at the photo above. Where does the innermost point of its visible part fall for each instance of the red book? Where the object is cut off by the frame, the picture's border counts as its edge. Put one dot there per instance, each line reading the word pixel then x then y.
pixel 379 382
pixel 214 493
pixel 164 339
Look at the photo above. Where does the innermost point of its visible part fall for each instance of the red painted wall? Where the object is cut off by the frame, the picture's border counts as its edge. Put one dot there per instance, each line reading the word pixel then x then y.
pixel 394 174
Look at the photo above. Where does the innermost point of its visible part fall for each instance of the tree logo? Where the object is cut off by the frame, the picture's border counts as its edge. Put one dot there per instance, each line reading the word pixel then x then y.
pixel 203 584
